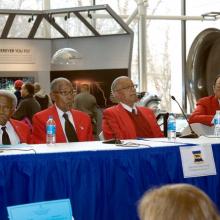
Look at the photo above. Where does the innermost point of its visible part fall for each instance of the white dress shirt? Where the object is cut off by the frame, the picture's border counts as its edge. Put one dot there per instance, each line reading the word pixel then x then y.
pixel 62 120
pixel 11 133
pixel 128 108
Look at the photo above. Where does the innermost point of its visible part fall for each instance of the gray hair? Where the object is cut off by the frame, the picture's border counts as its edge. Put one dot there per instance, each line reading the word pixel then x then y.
pixel 115 83
pixel 37 87
pixel 54 86
pixel 8 94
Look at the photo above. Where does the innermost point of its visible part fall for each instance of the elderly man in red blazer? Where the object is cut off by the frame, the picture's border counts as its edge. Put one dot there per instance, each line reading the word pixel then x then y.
pixel 62 95
pixel 11 131
pixel 206 107
pixel 125 120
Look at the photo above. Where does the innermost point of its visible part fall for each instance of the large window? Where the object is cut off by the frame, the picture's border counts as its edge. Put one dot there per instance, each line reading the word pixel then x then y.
pixel 163 36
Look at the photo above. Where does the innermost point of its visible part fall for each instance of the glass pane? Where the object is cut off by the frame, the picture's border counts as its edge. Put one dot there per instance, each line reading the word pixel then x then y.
pixel 122 7
pixel 164 75
pixel 166 7
pixel 45 30
pixel 22 4
pixel 73 26
pixel 21 26
pixel 69 4
pixel 104 23
pixel 201 6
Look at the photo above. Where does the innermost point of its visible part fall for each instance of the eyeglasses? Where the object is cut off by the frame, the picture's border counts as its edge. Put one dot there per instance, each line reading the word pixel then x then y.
pixel 65 93
pixel 128 87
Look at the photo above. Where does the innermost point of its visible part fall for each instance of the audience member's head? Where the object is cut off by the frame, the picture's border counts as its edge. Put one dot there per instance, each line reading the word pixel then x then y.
pixel 8 102
pixel 177 201
pixel 18 84
pixel 62 93
pixel 124 90
pixel 27 89
pixel 84 87
pixel 37 87
pixel 216 87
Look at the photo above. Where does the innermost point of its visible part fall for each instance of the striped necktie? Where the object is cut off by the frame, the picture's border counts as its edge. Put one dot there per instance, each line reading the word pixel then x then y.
pixel 70 130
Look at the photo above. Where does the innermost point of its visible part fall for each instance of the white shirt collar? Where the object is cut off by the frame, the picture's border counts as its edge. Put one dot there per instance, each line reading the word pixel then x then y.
pixel 60 112
pixel 62 120
pixel 128 108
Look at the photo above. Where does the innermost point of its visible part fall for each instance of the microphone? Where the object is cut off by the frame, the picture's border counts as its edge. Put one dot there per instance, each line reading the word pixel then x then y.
pixel 114 140
pixel 192 134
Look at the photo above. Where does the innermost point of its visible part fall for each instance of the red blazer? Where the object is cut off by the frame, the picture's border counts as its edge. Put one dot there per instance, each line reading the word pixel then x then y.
pixel 82 123
pixel 22 130
pixel 116 123
pixel 205 110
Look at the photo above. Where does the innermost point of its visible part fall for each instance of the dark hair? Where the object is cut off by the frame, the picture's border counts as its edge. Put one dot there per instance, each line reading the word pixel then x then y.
pixel 30 88
pixel 216 78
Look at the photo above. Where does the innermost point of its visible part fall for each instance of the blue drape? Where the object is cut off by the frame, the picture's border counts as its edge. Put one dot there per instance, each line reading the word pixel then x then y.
pixel 101 185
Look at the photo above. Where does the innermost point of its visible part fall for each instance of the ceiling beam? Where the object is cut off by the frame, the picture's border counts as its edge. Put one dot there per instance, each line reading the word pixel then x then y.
pixel 35 26
pixel 8 25
pixel 88 25
pixel 52 21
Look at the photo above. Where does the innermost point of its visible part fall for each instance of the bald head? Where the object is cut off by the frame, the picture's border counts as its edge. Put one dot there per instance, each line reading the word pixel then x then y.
pixel 116 83
pixel 56 83
pixel 10 96
pixel 8 102
pixel 124 90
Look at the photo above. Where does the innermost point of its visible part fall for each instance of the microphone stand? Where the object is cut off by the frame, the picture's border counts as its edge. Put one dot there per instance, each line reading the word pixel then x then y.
pixel 192 134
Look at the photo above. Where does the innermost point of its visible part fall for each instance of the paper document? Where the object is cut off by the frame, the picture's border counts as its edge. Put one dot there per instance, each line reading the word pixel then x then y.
pixel 197 161
pixel 49 210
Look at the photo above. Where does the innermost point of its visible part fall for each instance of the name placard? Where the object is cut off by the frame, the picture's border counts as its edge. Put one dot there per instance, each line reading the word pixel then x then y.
pixel 197 161
pixel 16 55
pixel 50 210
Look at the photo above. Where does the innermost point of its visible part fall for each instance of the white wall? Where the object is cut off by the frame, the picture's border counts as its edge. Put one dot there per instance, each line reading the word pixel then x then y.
pixel 39 68
pixel 106 52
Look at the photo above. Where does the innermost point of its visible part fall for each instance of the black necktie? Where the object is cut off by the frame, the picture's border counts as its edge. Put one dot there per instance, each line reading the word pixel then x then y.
pixel 69 130
pixel 5 137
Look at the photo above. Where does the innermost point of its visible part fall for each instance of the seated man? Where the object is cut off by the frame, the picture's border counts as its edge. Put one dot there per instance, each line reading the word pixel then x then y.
pixel 125 120
pixel 86 102
pixel 206 107
pixel 12 131
pixel 62 95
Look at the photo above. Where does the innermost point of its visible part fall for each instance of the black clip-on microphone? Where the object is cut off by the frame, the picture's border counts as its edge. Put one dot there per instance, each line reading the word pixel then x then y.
pixel 112 141
pixel 192 134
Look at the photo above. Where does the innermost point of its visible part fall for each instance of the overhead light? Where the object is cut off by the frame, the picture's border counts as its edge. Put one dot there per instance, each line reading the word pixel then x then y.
pixel 211 15
pixel 51 18
pixel 65 56
pixel 89 14
pixel 67 16
pixel 31 19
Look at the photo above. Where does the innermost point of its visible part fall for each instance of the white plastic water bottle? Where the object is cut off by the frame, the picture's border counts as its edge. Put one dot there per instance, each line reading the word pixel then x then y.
pixel 217 123
pixel 51 131
pixel 171 127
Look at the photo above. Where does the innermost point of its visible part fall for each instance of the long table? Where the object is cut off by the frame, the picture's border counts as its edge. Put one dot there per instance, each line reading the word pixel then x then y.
pixel 103 182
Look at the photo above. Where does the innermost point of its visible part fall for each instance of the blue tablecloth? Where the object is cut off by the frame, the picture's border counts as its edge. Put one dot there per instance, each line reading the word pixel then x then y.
pixel 101 185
